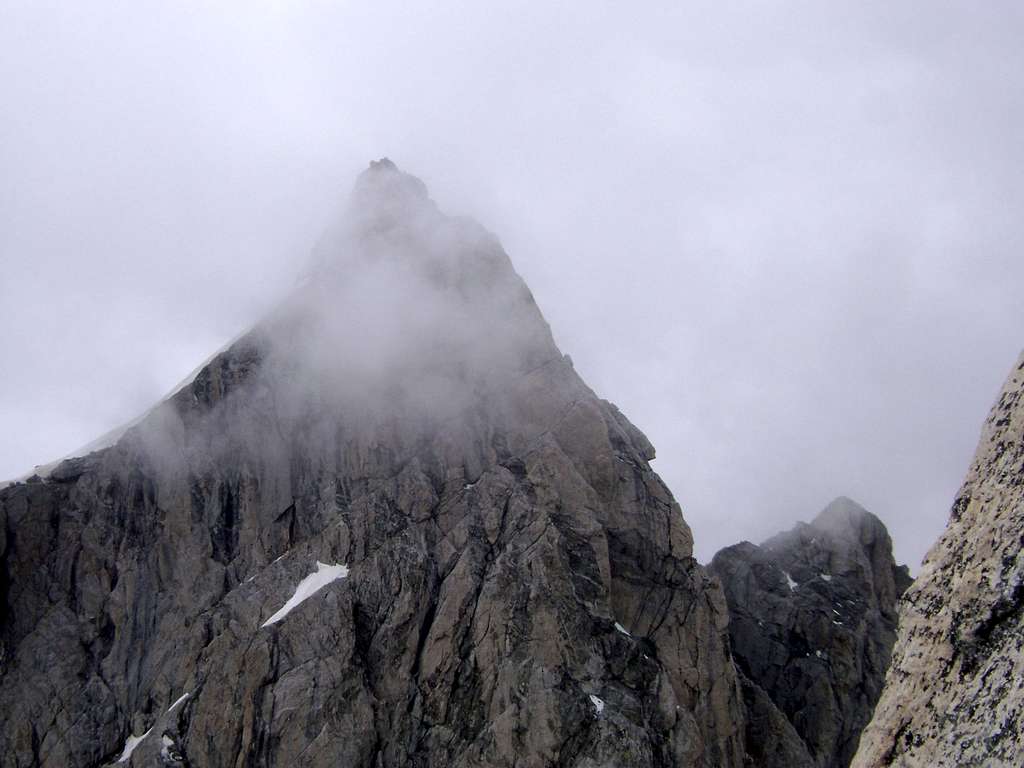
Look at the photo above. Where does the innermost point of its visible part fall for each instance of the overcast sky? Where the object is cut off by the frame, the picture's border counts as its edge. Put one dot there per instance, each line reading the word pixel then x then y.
pixel 785 238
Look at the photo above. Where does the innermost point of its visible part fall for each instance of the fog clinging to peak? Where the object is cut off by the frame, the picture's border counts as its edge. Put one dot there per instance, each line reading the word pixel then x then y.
pixel 784 238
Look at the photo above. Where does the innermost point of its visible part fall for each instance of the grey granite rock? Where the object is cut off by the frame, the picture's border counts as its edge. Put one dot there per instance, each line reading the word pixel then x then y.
pixel 520 587
pixel 812 624
pixel 955 693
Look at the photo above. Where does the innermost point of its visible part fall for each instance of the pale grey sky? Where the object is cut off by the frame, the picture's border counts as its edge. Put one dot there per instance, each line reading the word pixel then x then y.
pixel 785 238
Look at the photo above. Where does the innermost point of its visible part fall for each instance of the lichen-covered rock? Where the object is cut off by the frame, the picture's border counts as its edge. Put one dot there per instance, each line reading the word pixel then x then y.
pixel 955 693
pixel 518 587
pixel 812 624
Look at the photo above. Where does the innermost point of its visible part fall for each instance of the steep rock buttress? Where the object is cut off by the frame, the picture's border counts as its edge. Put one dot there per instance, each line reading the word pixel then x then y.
pixel 955 693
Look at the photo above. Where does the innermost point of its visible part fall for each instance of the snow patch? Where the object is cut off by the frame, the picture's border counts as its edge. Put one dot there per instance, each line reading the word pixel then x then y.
pixel 789 580
pixel 598 704
pixel 165 750
pixel 309 586
pixel 130 744
pixel 826 577
pixel 622 629
pixel 178 701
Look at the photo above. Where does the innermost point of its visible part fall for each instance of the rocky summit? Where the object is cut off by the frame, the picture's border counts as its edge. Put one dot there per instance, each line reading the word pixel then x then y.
pixel 390 526
pixel 955 693
pixel 812 624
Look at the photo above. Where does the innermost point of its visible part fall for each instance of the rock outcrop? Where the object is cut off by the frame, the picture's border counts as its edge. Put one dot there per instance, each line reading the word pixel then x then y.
pixel 812 625
pixel 955 693
pixel 391 526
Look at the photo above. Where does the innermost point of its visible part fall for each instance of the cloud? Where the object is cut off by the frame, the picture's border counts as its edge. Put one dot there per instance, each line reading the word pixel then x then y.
pixel 785 239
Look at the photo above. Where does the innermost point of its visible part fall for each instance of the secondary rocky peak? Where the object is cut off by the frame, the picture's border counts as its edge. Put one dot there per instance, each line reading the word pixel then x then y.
pixel 812 621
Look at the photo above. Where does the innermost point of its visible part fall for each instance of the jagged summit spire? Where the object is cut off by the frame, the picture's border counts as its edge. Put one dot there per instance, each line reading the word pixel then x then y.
pixel 384 194
pixel 385 171
pixel 385 163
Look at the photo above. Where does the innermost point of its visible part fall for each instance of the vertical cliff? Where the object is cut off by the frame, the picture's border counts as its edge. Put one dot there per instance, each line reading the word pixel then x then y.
pixel 954 694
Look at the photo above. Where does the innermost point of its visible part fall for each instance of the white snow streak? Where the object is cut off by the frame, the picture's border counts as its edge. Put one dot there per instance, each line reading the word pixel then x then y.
pixel 309 586
pixel 130 744
pixel 789 580
pixel 598 704
pixel 622 629
pixel 826 577
pixel 176 703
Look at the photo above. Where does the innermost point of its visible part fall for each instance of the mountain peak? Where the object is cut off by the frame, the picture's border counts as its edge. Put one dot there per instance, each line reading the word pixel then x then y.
pixel 391 494
pixel 385 195
pixel 384 164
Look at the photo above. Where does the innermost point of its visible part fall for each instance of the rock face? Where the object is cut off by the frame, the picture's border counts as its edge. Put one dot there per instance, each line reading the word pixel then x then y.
pixel 812 624
pixel 955 693
pixel 492 574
